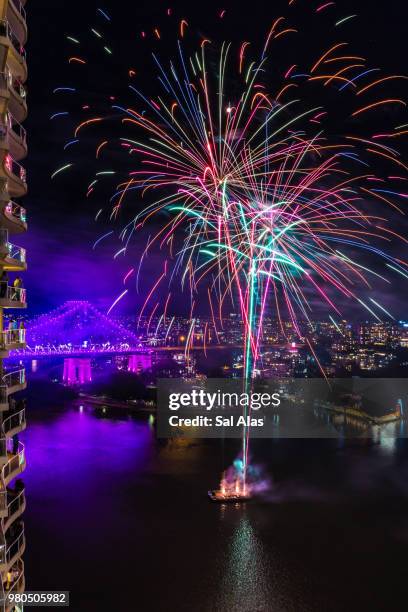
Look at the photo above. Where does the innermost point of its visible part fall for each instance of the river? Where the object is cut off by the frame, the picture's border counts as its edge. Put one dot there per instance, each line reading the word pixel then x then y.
pixel 122 520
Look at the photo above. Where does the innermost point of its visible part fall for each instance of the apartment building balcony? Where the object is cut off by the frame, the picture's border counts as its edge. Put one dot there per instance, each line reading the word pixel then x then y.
pixel 14 424
pixel 17 585
pixel 13 95
pixel 11 549
pixel 12 501
pixel 16 504
pixel 15 464
pixel 15 176
pixel 17 138
pixel 16 56
pixel 16 15
pixel 12 297
pixel 13 217
pixel 12 257
pixel 13 137
pixel 10 340
pixel 12 382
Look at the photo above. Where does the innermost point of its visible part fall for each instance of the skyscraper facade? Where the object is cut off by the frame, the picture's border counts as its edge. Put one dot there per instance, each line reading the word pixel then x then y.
pixel 13 187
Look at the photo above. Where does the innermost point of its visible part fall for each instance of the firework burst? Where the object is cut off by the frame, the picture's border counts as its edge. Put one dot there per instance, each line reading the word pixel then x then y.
pixel 257 200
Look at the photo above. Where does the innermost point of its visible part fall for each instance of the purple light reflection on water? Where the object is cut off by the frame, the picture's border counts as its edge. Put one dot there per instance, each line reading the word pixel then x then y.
pixel 77 371
pixel 68 449
pixel 81 472
pixel 139 362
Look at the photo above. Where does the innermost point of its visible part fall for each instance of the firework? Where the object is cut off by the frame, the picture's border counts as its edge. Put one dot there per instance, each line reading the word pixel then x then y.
pixel 257 200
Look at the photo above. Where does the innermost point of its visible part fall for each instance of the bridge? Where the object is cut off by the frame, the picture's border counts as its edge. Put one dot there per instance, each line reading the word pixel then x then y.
pixel 77 329
pixel 78 351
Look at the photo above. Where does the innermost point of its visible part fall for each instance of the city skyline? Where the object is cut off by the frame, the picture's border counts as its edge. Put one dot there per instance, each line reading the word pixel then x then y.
pixel 77 328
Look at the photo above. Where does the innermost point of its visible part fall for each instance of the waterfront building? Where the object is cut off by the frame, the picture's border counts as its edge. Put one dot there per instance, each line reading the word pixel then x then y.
pixel 13 186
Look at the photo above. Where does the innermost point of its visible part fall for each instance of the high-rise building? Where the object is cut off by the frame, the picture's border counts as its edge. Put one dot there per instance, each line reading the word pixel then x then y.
pixel 13 186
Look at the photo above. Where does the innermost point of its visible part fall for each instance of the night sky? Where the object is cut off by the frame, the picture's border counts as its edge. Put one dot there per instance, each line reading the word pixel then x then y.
pixel 62 264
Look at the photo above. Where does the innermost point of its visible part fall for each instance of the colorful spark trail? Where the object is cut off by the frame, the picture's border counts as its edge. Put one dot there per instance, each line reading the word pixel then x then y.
pixel 253 193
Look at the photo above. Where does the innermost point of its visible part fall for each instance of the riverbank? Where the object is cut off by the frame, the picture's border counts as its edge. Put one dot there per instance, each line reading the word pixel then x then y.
pixel 132 405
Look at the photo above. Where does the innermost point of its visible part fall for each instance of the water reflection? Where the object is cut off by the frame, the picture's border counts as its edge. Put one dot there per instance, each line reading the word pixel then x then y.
pixel 246 582
pixel 77 371
pixel 104 488
pixel 139 363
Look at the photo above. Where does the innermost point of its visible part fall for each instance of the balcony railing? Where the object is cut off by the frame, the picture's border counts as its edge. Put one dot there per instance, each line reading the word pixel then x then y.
pixel 15 168
pixel 15 210
pixel 9 81
pixel 14 379
pixel 14 126
pixel 14 252
pixel 7 31
pixel 10 380
pixel 19 8
pixel 14 465
pixel 12 294
pixel 12 337
pixel 18 129
pixel 17 501
pixel 9 551
pixel 14 421
pixel 15 507
pixel 10 502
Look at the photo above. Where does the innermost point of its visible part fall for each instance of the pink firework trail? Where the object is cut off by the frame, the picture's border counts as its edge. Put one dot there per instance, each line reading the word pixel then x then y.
pixel 259 202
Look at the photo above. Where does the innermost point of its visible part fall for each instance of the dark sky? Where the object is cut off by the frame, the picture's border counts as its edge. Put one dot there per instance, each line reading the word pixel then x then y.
pixel 62 264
